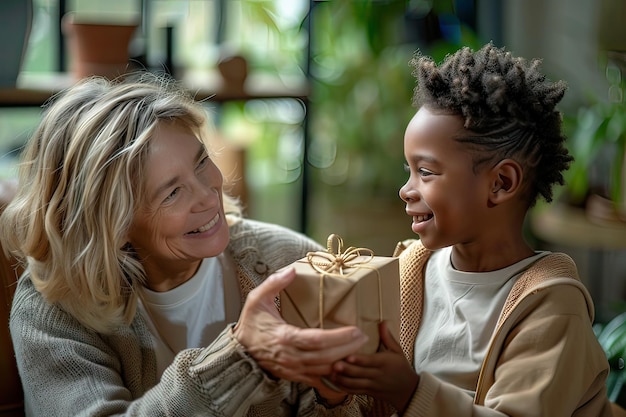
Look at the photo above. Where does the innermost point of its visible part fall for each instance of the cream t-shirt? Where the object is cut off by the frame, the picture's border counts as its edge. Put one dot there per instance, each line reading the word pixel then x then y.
pixel 191 315
pixel 460 313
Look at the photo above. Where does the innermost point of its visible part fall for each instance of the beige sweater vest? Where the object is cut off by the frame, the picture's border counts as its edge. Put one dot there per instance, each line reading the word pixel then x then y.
pixel 413 256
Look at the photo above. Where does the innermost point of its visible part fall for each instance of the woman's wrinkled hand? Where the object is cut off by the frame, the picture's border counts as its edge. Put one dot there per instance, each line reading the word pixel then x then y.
pixel 289 352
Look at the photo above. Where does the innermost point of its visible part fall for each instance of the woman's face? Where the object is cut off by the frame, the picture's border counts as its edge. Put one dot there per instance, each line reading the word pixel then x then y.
pixel 181 220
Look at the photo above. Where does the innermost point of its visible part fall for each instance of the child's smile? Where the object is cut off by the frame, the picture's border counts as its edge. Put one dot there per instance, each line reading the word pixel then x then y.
pixel 446 199
pixel 422 218
pixel 420 221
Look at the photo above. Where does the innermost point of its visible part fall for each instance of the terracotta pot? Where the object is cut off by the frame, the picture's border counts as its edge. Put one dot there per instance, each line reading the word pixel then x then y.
pixel 234 71
pixel 97 48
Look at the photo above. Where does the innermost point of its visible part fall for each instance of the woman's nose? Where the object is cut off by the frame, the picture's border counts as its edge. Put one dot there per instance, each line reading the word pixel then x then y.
pixel 211 176
pixel 207 189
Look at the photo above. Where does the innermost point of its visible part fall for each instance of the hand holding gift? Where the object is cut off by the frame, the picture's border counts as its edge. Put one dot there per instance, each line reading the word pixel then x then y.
pixel 340 288
pixel 286 351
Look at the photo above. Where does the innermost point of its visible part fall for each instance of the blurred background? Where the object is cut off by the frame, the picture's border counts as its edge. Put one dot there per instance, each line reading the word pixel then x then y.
pixel 311 99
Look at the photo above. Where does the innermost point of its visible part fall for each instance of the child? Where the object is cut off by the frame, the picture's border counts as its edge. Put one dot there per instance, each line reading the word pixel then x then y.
pixel 490 326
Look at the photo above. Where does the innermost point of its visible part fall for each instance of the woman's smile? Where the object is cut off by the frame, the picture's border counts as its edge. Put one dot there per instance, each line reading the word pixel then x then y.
pixel 207 226
pixel 183 222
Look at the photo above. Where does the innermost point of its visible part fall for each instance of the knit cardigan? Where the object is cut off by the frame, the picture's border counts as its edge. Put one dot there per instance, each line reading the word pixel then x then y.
pixel 69 370
pixel 543 358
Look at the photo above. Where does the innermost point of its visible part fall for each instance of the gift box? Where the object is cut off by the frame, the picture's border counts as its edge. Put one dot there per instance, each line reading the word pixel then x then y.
pixel 351 287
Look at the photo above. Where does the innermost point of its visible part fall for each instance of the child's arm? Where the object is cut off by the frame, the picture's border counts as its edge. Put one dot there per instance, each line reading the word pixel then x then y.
pixel 548 364
pixel 387 375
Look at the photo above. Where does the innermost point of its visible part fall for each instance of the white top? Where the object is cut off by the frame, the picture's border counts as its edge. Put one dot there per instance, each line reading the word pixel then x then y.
pixel 460 313
pixel 191 315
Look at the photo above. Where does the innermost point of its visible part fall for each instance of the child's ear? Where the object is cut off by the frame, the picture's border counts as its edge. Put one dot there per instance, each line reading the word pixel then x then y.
pixel 506 181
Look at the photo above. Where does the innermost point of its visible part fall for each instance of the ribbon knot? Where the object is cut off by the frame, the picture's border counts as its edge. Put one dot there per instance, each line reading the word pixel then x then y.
pixel 335 260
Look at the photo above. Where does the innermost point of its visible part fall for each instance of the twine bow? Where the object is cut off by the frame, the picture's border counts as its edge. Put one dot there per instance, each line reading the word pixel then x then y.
pixel 334 261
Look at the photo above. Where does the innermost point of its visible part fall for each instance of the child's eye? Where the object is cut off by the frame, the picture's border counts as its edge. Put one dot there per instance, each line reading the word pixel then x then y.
pixel 424 172
pixel 406 167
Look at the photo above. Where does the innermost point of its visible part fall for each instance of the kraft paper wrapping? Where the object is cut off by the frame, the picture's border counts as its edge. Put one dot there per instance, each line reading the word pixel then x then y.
pixel 344 288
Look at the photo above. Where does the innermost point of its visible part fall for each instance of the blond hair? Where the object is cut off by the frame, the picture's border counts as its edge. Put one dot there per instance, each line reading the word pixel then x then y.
pixel 80 180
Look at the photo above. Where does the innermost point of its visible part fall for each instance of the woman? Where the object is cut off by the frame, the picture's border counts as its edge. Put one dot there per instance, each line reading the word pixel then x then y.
pixel 137 264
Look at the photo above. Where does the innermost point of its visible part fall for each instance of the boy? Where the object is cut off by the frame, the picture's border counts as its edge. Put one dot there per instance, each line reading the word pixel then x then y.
pixel 490 327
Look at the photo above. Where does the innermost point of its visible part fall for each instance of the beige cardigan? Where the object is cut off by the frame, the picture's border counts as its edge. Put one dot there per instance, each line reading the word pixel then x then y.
pixel 543 360
pixel 69 370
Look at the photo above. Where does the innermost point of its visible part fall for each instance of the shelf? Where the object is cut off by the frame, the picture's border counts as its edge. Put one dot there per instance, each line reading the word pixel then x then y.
pixel 209 85
pixel 34 89
pixel 569 226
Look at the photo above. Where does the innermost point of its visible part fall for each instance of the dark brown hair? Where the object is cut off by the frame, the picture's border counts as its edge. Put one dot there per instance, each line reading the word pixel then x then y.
pixel 508 106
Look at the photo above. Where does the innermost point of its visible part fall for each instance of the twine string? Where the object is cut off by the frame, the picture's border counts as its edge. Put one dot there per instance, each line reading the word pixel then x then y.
pixel 334 262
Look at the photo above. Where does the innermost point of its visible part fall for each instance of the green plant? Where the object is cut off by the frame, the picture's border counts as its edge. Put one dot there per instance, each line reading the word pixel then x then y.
pixel 612 338
pixel 362 90
pixel 599 135
pixel 361 96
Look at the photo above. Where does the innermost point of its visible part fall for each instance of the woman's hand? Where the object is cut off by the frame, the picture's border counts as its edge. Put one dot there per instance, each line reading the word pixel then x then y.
pixel 290 352
pixel 386 375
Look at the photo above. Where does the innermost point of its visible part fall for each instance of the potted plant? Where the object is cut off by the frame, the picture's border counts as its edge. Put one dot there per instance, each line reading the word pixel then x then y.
pixel 597 178
pixel 98 45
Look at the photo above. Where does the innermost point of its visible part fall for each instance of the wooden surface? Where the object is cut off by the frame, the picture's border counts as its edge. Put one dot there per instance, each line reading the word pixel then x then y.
pixel 565 225
pixel 33 89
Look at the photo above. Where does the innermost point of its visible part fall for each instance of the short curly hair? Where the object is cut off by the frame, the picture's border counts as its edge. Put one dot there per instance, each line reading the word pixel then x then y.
pixel 507 104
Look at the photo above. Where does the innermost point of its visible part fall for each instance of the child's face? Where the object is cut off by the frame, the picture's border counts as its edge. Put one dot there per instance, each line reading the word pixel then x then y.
pixel 447 200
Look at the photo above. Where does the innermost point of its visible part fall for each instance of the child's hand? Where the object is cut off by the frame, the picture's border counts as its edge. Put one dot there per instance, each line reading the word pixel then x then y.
pixel 385 375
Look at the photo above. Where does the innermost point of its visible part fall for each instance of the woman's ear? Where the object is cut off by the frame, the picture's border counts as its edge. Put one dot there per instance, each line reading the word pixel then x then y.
pixel 506 181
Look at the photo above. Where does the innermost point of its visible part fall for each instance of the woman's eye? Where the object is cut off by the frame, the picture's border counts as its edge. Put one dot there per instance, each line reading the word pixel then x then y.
pixel 172 194
pixel 203 162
